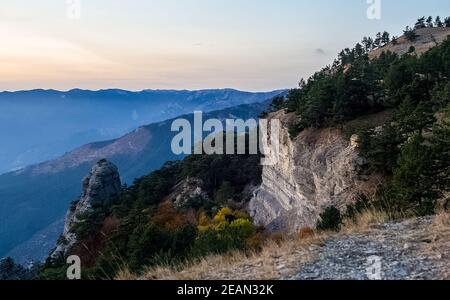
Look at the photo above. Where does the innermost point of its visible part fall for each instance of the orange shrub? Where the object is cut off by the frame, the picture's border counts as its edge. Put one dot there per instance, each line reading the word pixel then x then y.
pixel 168 217
pixel 306 233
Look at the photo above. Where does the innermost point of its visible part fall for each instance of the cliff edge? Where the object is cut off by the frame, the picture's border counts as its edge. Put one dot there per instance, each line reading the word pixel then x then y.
pixel 317 169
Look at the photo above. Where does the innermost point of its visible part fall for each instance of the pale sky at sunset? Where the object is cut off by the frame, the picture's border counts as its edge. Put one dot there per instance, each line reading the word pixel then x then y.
pixel 185 44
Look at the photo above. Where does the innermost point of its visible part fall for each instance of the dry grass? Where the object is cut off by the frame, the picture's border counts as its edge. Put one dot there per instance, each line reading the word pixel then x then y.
pixel 442 220
pixel 276 260
pixel 438 231
pixel 438 234
pixel 364 221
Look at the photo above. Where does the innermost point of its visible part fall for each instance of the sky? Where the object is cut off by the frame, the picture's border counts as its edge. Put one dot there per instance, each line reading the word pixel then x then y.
pixel 254 45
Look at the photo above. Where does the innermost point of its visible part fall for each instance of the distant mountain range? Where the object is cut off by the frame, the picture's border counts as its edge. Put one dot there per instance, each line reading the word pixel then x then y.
pixel 33 200
pixel 40 125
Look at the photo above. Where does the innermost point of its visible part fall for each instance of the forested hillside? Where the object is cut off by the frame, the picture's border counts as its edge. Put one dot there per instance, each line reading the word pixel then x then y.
pixel 412 149
pixel 189 209
pixel 185 210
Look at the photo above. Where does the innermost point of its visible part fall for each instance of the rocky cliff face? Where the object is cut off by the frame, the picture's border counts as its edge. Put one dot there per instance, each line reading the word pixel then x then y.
pixel 319 168
pixel 99 187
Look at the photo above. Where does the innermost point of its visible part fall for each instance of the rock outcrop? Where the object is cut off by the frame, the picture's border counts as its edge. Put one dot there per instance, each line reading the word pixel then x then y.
pixel 319 168
pixel 99 188
pixel 186 191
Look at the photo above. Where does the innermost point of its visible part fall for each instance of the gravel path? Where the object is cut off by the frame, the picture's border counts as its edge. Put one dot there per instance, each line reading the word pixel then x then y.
pixel 407 250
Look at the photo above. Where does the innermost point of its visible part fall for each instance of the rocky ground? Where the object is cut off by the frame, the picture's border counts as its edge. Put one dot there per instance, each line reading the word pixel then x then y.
pixel 413 249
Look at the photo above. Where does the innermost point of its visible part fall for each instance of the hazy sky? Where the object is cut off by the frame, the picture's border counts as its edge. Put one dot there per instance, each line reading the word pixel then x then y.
pixel 192 44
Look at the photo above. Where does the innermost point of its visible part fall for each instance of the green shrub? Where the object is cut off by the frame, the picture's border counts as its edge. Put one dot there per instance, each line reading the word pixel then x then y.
pixel 229 230
pixel 54 273
pixel 330 219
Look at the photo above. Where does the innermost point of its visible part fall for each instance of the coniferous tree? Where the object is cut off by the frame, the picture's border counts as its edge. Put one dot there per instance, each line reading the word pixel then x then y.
pixel 447 22
pixel 441 152
pixel 330 219
pixel 370 42
pixel 341 56
pixel 385 38
pixel 302 83
pixel 413 180
pixel 420 23
pixel 410 34
pixel 377 42
pixel 438 22
pixel 359 50
pixel 430 23
pixel 278 103
pixel 367 43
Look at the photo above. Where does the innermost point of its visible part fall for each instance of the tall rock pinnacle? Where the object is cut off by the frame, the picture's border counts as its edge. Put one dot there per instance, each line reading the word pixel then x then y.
pixel 99 188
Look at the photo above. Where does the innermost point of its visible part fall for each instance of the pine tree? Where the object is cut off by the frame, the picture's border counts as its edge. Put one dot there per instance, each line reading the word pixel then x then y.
pixel 377 41
pixel 342 57
pixel 385 38
pixel 330 219
pixel 367 43
pixel 438 22
pixel 413 179
pixel 447 22
pixel 430 23
pixel 359 50
pixel 441 152
pixel 413 118
pixel 420 23
pixel 302 83
pixel 277 103
pixel 410 34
